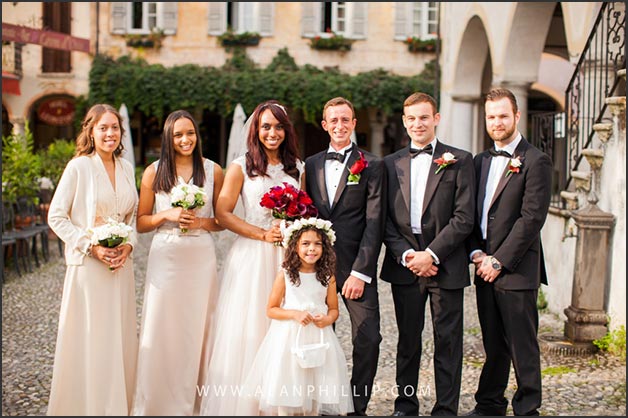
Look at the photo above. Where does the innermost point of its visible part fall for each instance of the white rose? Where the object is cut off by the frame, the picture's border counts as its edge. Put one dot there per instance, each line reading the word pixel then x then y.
pixel 448 156
pixel 189 198
pixel 515 162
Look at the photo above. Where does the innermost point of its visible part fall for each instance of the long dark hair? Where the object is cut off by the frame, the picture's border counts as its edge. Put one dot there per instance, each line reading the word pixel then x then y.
pixel 325 266
pixel 166 176
pixel 85 140
pixel 256 159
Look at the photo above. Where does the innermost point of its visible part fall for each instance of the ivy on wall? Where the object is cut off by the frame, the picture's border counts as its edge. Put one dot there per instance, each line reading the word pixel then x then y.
pixel 157 90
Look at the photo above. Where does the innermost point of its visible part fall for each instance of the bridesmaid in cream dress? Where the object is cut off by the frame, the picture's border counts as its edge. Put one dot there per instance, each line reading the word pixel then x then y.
pixel 94 367
pixel 253 260
pixel 181 282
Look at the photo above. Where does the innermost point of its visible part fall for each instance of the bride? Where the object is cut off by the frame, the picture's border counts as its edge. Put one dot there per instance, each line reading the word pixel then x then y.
pixel 253 260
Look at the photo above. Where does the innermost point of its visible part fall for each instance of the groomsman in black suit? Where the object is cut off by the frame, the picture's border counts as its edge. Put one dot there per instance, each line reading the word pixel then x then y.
pixel 353 202
pixel 431 203
pixel 513 197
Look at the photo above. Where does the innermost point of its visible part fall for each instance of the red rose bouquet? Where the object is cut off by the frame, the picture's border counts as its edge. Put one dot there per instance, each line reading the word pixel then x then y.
pixel 288 203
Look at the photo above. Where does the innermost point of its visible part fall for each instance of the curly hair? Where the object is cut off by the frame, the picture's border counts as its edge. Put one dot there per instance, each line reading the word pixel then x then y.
pixel 325 266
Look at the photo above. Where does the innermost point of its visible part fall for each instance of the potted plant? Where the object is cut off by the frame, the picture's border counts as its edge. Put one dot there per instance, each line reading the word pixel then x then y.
pixel 333 42
pixel 21 169
pixel 151 40
pixel 231 38
pixel 420 45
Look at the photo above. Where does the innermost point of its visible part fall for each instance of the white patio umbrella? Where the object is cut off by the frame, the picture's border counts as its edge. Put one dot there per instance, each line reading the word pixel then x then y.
pixel 128 152
pixel 237 136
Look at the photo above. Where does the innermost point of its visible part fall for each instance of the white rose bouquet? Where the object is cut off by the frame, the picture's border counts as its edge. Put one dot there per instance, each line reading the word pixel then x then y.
pixel 187 196
pixel 110 234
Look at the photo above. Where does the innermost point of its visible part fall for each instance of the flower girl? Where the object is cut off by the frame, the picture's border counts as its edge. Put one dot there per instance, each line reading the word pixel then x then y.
pixel 302 305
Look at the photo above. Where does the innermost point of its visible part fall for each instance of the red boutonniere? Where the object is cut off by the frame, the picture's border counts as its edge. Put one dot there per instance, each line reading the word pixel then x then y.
pixel 358 166
pixel 514 165
pixel 445 160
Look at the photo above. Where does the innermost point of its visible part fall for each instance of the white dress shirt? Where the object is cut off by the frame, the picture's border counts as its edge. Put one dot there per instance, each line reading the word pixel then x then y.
pixel 498 165
pixel 333 172
pixel 419 170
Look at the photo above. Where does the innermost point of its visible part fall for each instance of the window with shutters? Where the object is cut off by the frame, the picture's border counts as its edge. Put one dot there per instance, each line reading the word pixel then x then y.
pixel 56 17
pixel 416 20
pixel 323 19
pixel 241 17
pixel 143 18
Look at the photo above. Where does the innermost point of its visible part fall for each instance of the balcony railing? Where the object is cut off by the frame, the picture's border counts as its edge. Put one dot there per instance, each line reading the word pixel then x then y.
pixel 595 78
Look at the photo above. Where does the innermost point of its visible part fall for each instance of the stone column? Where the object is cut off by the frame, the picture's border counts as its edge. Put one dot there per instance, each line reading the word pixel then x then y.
pixel 586 316
pixel 376 122
pixel 520 90
pixel 18 125
pixel 466 128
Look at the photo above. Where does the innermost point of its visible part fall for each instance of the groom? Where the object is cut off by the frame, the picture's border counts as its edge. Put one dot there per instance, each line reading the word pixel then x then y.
pixel 346 185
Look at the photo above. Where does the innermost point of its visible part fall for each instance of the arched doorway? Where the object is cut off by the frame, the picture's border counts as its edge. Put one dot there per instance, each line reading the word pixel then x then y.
pixel 52 117
pixel 7 126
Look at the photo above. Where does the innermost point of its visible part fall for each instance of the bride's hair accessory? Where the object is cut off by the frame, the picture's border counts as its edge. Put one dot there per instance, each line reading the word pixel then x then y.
pixel 320 224
pixel 280 107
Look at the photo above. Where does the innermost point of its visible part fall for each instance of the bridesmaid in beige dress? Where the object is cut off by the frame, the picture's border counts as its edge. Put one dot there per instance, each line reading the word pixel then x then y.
pixel 94 367
pixel 181 278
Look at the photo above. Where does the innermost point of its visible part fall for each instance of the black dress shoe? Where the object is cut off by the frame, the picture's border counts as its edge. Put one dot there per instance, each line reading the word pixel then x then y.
pixel 398 414
pixel 473 413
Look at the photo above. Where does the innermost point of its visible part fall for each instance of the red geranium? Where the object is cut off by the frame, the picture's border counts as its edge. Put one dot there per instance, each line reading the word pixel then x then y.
pixel 288 202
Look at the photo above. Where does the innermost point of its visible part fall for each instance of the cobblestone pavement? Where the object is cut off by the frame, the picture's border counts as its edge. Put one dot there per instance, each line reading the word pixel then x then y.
pixel 577 385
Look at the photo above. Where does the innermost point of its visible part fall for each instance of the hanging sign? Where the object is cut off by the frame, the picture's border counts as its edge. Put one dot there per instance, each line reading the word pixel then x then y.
pixel 58 111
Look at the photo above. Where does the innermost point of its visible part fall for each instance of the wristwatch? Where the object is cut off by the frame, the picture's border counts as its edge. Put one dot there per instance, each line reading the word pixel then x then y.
pixel 495 263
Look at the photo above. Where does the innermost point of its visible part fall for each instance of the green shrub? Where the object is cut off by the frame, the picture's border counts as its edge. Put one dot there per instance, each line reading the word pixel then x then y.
pixel 55 158
pixel 614 342
pixel 21 167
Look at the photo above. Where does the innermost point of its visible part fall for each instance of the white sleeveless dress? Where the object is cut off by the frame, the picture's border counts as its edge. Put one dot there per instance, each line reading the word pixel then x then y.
pixel 241 323
pixel 277 381
pixel 180 293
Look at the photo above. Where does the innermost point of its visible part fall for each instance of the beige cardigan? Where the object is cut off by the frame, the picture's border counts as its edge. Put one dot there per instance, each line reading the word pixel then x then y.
pixel 73 206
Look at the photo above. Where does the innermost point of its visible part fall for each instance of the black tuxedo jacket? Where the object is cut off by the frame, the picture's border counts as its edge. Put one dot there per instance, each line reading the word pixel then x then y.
pixel 516 215
pixel 357 213
pixel 446 220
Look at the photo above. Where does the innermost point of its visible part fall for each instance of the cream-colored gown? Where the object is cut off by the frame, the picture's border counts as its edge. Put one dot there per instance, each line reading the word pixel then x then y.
pixel 180 294
pixel 94 367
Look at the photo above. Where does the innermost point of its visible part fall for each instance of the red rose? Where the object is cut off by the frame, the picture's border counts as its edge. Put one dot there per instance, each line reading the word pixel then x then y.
pixel 359 165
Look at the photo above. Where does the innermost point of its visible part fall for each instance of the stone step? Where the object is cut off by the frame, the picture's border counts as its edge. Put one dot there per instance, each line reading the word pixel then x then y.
pixel 594 156
pixel 617 104
pixel 604 131
pixel 582 180
pixel 570 198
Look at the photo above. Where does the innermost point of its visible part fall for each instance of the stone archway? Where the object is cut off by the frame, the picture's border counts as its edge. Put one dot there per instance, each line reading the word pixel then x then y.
pixel 471 75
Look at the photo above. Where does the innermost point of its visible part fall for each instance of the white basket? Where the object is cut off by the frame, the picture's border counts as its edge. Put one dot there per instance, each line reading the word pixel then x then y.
pixel 310 355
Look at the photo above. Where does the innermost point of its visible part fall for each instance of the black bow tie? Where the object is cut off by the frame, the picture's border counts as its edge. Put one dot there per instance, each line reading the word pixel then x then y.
pixel 414 151
pixel 500 153
pixel 335 156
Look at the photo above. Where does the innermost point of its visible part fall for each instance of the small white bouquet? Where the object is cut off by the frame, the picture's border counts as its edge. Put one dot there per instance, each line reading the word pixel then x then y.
pixel 110 234
pixel 187 196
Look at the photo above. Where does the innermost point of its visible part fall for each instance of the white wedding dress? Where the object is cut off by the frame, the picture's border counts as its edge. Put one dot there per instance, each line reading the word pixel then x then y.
pixel 240 319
